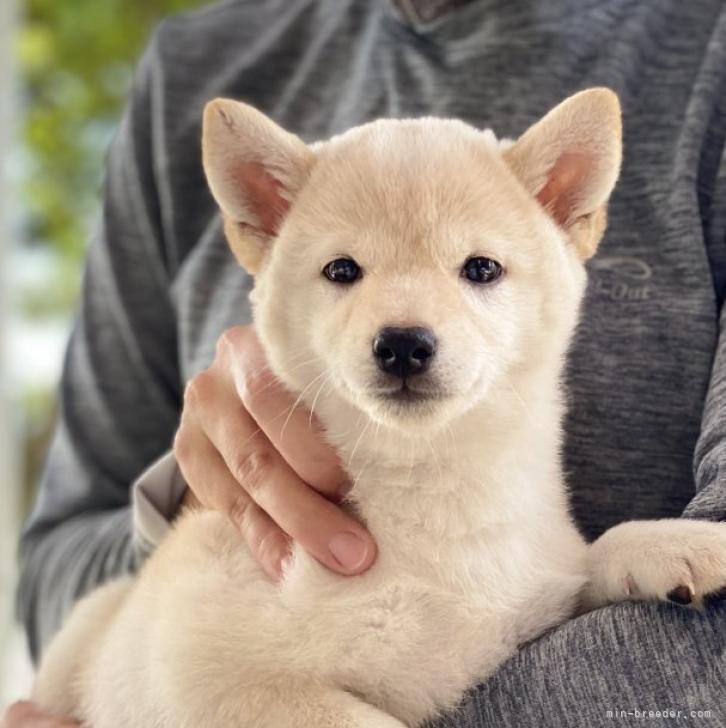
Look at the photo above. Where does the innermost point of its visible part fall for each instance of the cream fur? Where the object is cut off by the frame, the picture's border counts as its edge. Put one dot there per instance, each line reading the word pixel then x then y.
pixel 464 495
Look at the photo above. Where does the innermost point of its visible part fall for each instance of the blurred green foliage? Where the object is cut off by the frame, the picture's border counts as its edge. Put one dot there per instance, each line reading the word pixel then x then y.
pixel 76 58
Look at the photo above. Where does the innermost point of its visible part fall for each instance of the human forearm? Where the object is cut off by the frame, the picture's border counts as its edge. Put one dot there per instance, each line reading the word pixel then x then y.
pixel 709 466
pixel 628 657
pixel 64 562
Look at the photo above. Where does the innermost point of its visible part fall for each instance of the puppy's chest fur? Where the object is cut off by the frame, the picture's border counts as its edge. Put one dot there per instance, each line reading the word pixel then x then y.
pixel 455 589
pixel 476 554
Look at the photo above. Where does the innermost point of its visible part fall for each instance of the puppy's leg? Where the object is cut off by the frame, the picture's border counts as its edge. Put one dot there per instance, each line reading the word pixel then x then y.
pixel 58 685
pixel 288 705
pixel 677 560
pixel 332 709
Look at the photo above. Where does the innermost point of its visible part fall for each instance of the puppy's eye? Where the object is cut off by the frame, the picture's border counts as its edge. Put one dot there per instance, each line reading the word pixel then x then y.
pixel 481 270
pixel 342 270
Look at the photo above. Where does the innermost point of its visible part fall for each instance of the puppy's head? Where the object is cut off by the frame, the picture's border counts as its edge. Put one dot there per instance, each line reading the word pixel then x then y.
pixel 411 268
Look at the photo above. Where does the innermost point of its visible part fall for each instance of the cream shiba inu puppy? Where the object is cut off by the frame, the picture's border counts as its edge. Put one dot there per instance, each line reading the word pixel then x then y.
pixel 429 279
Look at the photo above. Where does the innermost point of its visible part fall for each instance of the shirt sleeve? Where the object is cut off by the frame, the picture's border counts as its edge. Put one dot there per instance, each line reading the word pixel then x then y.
pixel 120 392
pixel 156 497
pixel 710 455
pixel 627 664
pixel 709 463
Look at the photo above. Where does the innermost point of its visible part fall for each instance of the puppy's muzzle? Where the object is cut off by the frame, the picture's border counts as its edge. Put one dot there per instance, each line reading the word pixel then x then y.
pixel 404 352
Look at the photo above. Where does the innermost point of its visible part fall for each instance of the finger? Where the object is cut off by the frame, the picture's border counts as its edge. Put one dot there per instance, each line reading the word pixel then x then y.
pixel 268 543
pixel 190 500
pixel 19 715
pixel 24 714
pixel 288 424
pixel 318 525
pixel 18 710
pixel 212 483
pixel 203 469
pixel 332 536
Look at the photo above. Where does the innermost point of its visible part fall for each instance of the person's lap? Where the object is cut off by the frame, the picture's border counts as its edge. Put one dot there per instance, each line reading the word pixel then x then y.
pixel 610 667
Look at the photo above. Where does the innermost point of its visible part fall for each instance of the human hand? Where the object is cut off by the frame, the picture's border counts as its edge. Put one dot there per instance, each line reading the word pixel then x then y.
pixel 245 450
pixel 26 715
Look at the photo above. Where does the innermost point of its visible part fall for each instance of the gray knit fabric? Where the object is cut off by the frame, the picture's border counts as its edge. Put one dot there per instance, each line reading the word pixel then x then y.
pixel 646 430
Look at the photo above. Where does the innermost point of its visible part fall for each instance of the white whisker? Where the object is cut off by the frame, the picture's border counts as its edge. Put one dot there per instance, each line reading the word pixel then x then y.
pixel 326 381
pixel 297 402
pixel 358 441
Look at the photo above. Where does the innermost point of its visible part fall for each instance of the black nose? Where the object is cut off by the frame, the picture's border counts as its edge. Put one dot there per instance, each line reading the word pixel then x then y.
pixel 404 352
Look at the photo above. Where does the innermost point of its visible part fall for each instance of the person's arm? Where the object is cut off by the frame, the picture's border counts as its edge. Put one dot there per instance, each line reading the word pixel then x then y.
pixel 599 669
pixel 120 390
pixel 709 464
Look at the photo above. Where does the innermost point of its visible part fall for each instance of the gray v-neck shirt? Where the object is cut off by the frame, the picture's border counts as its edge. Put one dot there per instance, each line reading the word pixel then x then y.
pixel 646 429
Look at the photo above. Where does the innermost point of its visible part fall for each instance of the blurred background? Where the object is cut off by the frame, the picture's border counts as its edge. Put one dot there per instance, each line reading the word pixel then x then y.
pixel 65 68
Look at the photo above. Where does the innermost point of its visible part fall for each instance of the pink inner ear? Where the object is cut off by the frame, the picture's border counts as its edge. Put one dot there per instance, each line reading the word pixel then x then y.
pixel 262 194
pixel 562 190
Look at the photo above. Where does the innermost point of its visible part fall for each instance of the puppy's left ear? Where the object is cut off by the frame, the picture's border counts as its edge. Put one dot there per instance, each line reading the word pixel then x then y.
pixel 570 161
pixel 255 170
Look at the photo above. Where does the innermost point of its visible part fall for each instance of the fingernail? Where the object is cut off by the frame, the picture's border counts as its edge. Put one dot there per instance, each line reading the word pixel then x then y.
pixel 349 550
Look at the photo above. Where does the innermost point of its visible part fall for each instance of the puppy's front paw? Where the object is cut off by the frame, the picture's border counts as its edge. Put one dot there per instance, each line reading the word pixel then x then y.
pixel 676 560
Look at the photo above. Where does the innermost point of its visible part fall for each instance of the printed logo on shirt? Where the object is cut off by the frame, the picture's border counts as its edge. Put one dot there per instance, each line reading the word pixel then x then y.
pixel 621 278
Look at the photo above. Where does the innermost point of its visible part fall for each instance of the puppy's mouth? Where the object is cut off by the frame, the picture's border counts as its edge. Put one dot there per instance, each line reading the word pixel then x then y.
pixel 405 394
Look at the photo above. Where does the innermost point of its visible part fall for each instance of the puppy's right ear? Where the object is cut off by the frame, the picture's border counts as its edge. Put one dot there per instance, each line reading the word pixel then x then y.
pixel 255 170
